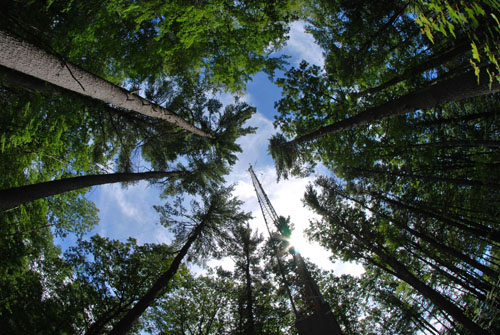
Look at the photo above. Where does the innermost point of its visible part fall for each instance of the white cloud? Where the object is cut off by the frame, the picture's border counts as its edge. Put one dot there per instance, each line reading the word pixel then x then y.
pixel 301 45
pixel 129 212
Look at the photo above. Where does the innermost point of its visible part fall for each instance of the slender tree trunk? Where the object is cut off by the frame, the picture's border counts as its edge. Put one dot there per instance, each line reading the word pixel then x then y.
pixel 479 284
pixel 439 300
pixel 452 277
pixel 454 89
pixel 250 328
pixel 428 64
pixel 458 143
pixel 400 271
pixel 125 324
pixel 16 196
pixel 483 232
pixel 26 58
pixel 404 174
pixel 426 238
pixel 467 117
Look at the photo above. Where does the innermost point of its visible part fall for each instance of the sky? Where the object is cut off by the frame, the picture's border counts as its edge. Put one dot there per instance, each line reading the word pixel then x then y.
pixel 128 212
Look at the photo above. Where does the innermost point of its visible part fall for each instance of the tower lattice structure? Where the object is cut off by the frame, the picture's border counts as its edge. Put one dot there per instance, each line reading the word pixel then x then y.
pixel 316 316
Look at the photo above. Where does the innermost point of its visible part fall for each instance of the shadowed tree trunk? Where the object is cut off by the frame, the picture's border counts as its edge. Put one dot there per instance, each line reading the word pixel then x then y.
pixel 400 271
pixel 125 324
pixel 428 64
pixel 454 89
pixel 26 58
pixel 16 196
pixel 425 237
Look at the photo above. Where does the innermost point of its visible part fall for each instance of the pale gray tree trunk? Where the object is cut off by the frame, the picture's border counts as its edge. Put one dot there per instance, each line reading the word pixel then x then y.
pixel 19 55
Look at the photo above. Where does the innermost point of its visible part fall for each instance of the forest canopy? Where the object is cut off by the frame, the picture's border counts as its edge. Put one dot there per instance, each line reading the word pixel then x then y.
pixel 401 119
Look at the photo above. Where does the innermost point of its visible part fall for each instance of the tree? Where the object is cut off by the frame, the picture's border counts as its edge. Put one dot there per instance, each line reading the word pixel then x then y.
pixel 13 197
pixel 226 41
pixel 218 210
pixel 200 305
pixel 360 241
pixel 24 57
pixel 462 87
pixel 243 249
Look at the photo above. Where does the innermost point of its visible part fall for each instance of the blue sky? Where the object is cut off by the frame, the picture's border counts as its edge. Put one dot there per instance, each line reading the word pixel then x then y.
pixel 128 212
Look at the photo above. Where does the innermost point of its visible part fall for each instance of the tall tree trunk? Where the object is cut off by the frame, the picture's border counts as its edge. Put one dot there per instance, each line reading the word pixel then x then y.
pixel 26 58
pixel 125 324
pixel 400 271
pixel 440 301
pixel 467 117
pixel 485 232
pixel 426 238
pixel 458 144
pixel 454 89
pixel 433 62
pixel 32 84
pixel 16 196
pixel 250 327
pixel 430 178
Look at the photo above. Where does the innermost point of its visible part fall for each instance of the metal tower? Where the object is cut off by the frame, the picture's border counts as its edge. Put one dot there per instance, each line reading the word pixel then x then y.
pixel 316 318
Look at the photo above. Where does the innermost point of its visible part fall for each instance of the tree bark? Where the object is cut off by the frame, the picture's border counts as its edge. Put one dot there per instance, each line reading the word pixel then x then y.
pixel 12 197
pixel 125 324
pixel 250 327
pixel 454 89
pixel 26 58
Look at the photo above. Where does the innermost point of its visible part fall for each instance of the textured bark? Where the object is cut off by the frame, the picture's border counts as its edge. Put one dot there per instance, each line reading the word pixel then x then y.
pixel 455 89
pixel 125 324
pixel 16 196
pixel 26 58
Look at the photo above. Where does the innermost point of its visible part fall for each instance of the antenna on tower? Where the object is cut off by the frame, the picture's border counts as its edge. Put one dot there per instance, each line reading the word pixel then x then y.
pixel 316 317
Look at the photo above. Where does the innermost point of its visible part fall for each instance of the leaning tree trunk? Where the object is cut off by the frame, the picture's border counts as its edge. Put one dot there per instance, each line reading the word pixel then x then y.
pixel 439 300
pixel 400 271
pixel 12 197
pixel 454 89
pixel 125 324
pixel 425 237
pixel 19 55
pixel 429 64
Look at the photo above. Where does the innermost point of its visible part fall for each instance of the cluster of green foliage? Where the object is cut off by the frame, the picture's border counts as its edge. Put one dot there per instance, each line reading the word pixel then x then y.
pixel 479 19
pixel 414 158
pixel 413 193
pixel 138 41
pixel 176 53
